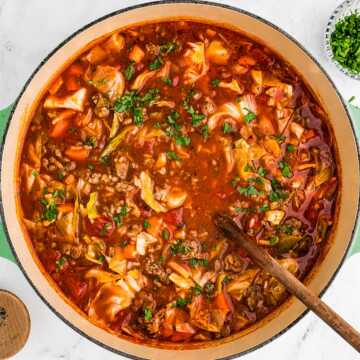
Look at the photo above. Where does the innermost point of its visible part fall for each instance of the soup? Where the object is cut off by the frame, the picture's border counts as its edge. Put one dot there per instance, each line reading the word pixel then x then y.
pixel 135 147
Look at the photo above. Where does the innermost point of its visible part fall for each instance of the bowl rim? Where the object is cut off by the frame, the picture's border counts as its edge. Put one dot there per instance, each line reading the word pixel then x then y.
pixel 145 5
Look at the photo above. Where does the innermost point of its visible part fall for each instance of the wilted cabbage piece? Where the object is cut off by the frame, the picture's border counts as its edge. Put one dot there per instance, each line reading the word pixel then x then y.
pixel 109 81
pixel 146 186
pixel 74 101
pixel 198 66
pixel 117 140
pixel 240 284
pixel 108 302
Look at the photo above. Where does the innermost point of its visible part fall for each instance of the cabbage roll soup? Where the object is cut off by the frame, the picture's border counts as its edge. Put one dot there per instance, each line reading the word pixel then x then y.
pixel 135 147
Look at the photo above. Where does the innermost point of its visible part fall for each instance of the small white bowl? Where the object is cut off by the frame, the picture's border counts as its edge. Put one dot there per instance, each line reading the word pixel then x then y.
pixel 344 9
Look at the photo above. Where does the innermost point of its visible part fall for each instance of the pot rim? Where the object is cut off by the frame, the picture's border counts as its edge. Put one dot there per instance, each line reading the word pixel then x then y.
pixel 145 5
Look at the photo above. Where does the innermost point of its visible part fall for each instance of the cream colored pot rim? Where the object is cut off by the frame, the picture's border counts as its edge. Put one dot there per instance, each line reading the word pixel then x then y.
pixel 124 10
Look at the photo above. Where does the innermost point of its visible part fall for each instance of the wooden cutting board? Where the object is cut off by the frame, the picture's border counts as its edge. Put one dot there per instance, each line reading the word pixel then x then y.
pixel 14 324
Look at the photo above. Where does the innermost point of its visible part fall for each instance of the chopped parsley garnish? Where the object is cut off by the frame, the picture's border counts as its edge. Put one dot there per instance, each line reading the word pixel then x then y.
pixel 168 47
pixel 60 263
pixel 149 96
pixel 166 81
pixel 105 229
pixel 290 148
pixel 256 180
pixel 130 70
pixel 105 160
pixel 90 141
pixel 171 120
pixel 285 169
pixel 157 125
pixel 179 248
pixel 274 240
pixel 352 98
pixel 196 118
pixel 248 168
pixel 59 193
pixel 234 181
pixel 165 234
pixel 174 130
pixel 205 131
pixel 227 128
pixel 261 171
pixel 280 138
pixel 286 229
pixel 60 175
pixel 244 210
pixel 138 116
pixel 101 258
pixel 34 173
pixel 183 140
pixel 277 193
pixel 118 218
pixel 249 117
pixel 148 314
pixel 180 303
pixel 193 262
pixel 50 211
pixel 209 288
pixel 172 155
pixel 156 64
pixel 264 208
pixel 249 190
pixel 196 290
pixel 146 224
pixel 226 279
pixel 215 82
pixel 90 166
pixel 133 103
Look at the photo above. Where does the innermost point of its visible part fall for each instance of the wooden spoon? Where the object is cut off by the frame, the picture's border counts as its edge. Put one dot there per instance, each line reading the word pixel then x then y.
pixel 293 285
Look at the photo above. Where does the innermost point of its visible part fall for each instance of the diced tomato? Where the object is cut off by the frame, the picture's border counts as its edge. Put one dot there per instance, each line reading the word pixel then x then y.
pixel 155 223
pixel 59 129
pixel 130 251
pixel 136 54
pixel 77 153
pixel 223 302
pixel 61 124
pixel 174 217
pixel 246 60
pixel 75 70
pixel 102 226
pixel 72 83
pixel 75 286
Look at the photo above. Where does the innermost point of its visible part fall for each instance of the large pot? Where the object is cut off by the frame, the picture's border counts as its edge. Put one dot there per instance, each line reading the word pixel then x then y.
pixel 347 161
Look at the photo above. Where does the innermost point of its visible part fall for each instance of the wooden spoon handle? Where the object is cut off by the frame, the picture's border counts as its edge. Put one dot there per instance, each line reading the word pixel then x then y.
pixel 296 287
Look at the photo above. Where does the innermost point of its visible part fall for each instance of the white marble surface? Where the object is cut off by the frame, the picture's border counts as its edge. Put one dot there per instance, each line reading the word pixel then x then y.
pixel 29 30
